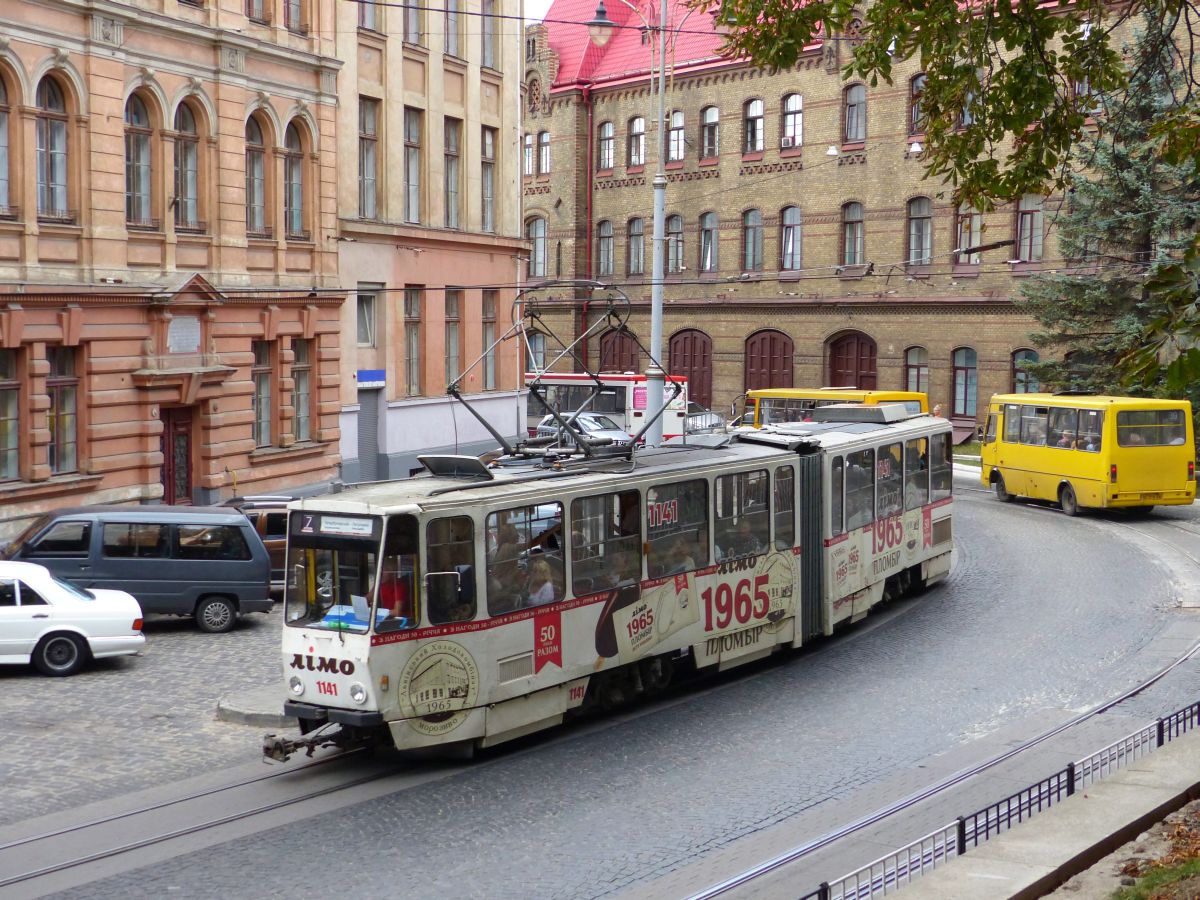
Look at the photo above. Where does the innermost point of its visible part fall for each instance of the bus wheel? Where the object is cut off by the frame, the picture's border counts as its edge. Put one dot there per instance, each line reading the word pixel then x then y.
pixel 1066 499
pixel 1002 493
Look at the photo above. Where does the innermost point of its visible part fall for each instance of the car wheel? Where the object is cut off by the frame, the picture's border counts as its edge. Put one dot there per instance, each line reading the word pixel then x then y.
pixel 1002 493
pixel 60 654
pixel 1068 501
pixel 216 615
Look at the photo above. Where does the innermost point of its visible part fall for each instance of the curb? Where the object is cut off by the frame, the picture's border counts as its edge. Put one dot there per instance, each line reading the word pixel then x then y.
pixel 254 707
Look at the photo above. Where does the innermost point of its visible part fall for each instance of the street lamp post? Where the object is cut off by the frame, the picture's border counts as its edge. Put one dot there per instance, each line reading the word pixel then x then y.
pixel 601 29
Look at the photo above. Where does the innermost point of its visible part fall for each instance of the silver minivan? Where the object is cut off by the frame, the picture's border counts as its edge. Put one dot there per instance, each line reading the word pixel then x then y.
pixel 207 563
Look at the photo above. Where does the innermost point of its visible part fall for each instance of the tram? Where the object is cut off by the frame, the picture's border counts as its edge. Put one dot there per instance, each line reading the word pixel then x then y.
pixel 479 602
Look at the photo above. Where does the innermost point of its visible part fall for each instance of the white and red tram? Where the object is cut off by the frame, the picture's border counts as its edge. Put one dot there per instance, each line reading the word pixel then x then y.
pixel 478 604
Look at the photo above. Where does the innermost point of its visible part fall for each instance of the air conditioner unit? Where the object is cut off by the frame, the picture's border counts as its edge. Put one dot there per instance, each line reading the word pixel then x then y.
pixel 787 142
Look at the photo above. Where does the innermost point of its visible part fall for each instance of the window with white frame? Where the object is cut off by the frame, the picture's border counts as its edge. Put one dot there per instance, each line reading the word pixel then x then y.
pixel 752 240
pixel 674 244
pixel 368 157
pixel 535 233
pixel 709 242
pixel 412 165
pixel 710 132
pixel 604 146
pixel 920 232
pixel 752 127
pixel 367 303
pixel 970 231
pixel 452 26
pixel 916 369
pixel 791 130
pixel 789 238
pixel 853 238
pixel 527 154
pixel 487 171
pixel 675 139
pixel 604 247
pixel 412 23
pixel 488 57
pixel 635 257
pixel 544 160
pixel 636 150
pixel 1029 228
pixel 368 15
pixel 916 116
pixel 854 114
pixel 452 135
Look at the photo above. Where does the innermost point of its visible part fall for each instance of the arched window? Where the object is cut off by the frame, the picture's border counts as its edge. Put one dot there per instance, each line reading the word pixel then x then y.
pixel 966 382
pixel 137 163
pixel 768 360
pixel 604 247
pixel 789 238
pixel 536 352
pixel 853 239
pixel 916 369
pixel 691 355
pixel 709 243
pixel 256 180
pixel 5 209
pixel 675 142
pixel 675 243
pixel 293 183
pixel 854 114
pixel 920 232
pixel 1029 228
pixel 635 257
pixel 753 127
pixel 187 170
pixel 970 231
pixel 916 116
pixel 51 151
pixel 604 146
pixel 543 153
pixel 1024 381
pixel 791 130
pixel 535 233
pixel 752 241
pixel 710 132
pixel 636 150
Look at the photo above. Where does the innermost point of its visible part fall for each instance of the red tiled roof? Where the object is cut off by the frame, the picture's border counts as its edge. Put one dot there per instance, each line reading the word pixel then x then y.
pixel 582 62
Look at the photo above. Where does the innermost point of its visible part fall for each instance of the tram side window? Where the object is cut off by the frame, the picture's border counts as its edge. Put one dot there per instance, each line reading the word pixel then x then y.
pixel 890 480
pixel 785 507
pixel 916 473
pixel 525 557
pixel 1033 425
pixel 1150 428
pixel 396 594
pixel 1091 430
pixel 941 467
pixel 743 528
pixel 677 527
pixel 860 488
pixel 1064 428
pixel 606 542
pixel 1012 423
pixel 837 524
pixel 450 576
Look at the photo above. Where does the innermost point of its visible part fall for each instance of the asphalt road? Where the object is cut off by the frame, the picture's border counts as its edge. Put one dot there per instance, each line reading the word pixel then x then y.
pixel 1043 616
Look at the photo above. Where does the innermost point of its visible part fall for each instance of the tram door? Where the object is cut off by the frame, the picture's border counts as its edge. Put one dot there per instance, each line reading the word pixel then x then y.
pixel 809 538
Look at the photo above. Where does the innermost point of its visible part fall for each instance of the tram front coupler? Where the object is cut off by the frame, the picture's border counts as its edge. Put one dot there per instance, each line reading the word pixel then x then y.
pixel 280 749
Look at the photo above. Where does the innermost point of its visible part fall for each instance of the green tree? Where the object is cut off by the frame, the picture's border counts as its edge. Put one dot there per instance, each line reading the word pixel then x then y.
pixel 1130 215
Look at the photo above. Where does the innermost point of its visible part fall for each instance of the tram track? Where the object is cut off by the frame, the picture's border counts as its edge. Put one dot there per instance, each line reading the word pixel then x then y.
pixel 809 848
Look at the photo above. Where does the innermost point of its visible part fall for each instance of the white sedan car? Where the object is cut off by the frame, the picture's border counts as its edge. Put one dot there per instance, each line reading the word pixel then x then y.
pixel 57 626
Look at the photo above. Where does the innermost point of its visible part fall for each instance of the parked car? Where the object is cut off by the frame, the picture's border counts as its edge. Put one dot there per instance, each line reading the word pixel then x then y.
pixel 208 563
pixel 701 419
pixel 593 425
pixel 59 627
pixel 268 514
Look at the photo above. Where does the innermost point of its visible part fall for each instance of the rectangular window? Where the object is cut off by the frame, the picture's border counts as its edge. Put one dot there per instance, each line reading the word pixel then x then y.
pixel 1029 229
pixel 293 16
pixel 412 23
pixel 785 507
pixel 62 384
pixel 488 36
pixel 452 134
pixel 368 156
pixel 675 140
pixel 1063 427
pixel 1033 425
pixel 260 374
pixel 916 473
pixel 1091 430
pixel 141 540
pixel 890 480
pixel 210 542
pixel 676 522
pixel 453 333
pixel 10 416
pixel 366 316
pixel 412 340
pixel 65 539
pixel 969 231
pixel 489 338
pixel 606 542
pixel 451 33
pixel 368 15
pixel 837 482
pixel 412 165
pixel 302 390
pixel 488 180
pixel 941 468
pixel 1012 423
pixel 1150 428
pixel 860 488
pixel 187 183
pixel 450 578
pixel 742 517
pixel 525 557
pixel 256 11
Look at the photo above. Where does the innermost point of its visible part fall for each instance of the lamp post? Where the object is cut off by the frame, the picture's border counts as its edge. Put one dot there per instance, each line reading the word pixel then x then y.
pixel 601 29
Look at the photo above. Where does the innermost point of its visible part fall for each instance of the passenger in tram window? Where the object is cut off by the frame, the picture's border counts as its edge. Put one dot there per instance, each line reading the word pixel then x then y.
pixel 505 578
pixel 742 542
pixel 679 559
pixel 541 584
pixel 625 568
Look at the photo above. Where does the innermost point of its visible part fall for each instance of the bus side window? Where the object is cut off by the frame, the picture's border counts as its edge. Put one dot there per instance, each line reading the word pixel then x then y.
pixel 941 471
pixel 836 505
pixel 677 527
pixel 1091 430
pixel 1012 423
pixel 989 434
pixel 742 526
pixel 860 488
pixel 1064 427
pixel 450 575
pixel 606 541
pixel 916 473
pixel 1033 425
pixel 785 507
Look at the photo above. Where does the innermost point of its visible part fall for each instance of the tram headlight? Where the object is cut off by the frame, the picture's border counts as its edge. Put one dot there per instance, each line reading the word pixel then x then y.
pixel 295 685
pixel 358 693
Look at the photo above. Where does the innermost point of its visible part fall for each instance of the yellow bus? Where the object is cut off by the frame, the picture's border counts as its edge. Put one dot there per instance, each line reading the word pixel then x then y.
pixel 770 406
pixel 1086 450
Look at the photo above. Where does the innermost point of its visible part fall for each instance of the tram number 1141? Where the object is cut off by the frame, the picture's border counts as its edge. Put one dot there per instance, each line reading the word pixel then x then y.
pixel 741 603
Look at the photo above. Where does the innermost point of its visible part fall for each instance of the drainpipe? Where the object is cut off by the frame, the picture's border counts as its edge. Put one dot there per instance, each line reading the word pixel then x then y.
pixel 587 99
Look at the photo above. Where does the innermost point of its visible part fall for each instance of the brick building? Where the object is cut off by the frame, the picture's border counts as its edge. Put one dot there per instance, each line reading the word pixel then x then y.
pixel 804 246
pixel 429 227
